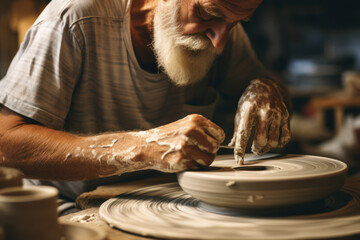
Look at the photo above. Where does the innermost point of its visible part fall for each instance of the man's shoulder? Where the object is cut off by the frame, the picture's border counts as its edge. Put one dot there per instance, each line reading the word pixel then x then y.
pixel 72 11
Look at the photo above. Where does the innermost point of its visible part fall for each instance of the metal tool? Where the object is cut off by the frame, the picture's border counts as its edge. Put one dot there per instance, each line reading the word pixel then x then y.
pixel 226 146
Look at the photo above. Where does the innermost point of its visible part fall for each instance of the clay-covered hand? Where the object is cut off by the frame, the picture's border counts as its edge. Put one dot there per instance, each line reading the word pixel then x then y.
pixel 263 107
pixel 188 143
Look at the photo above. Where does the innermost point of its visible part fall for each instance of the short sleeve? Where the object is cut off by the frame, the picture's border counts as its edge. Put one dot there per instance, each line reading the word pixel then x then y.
pixel 41 78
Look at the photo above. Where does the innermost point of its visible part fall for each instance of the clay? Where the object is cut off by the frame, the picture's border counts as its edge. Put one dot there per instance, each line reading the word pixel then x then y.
pixel 105 146
pixel 277 197
pixel 165 211
pixel 281 181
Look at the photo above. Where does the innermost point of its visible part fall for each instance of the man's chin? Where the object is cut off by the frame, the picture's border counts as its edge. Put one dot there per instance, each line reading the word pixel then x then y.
pixel 186 59
pixel 198 49
pixel 187 67
pixel 184 77
pixel 183 82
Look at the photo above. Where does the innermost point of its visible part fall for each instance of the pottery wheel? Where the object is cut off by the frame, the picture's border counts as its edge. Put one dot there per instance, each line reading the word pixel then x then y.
pixel 166 211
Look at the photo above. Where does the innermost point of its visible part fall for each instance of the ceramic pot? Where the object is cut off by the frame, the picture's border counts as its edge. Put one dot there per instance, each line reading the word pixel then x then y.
pixel 29 213
pixel 10 177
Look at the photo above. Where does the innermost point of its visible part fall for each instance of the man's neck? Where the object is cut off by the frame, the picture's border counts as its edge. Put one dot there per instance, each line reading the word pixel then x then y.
pixel 142 14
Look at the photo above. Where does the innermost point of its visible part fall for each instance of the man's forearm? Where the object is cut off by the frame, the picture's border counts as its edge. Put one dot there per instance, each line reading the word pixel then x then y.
pixel 49 154
pixel 45 153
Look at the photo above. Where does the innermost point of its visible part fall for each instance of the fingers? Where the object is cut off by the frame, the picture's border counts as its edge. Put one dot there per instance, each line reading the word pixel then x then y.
pixel 242 135
pixel 237 121
pixel 275 135
pixel 261 138
pixel 203 133
pixel 187 143
pixel 261 105
pixel 189 157
pixel 199 157
pixel 207 126
pixel 285 133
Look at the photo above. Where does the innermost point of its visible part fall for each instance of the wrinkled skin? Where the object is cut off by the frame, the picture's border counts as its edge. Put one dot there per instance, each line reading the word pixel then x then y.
pixel 43 153
pixel 188 143
pixel 263 107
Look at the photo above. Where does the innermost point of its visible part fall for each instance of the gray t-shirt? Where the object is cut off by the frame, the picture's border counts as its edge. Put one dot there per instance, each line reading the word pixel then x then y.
pixel 76 71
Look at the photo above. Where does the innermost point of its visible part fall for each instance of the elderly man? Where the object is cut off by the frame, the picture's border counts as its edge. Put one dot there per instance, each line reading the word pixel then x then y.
pixel 97 89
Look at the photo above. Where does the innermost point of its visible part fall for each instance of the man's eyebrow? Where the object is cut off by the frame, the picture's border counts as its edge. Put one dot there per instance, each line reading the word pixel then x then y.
pixel 213 11
pixel 216 12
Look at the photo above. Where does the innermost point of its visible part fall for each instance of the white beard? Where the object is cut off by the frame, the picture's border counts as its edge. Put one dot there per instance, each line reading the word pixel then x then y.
pixel 186 59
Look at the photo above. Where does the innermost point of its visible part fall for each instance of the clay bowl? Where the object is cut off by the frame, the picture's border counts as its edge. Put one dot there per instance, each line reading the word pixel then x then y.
pixel 264 183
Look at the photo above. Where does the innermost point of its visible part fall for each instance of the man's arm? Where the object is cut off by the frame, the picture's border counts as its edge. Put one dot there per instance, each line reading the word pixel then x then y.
pixel 45 153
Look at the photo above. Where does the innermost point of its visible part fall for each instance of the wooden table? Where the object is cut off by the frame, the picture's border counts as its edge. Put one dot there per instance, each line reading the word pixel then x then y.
pixel 91 202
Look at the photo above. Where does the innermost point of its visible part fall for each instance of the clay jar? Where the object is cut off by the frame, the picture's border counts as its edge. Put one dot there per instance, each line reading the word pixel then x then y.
pixel 10 177
pixel 29 213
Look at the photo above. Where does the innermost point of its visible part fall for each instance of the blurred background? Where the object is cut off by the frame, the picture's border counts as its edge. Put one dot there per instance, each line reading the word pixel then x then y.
pixel 313 46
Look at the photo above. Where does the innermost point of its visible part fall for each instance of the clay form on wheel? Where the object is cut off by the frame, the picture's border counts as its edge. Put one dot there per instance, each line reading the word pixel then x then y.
pixel 281 181
pixel 166 211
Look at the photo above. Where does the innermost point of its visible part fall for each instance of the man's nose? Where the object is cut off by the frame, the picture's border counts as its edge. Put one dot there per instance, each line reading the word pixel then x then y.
pixel 218 33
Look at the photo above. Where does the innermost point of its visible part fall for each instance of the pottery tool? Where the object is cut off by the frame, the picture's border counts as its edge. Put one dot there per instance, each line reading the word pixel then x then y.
pixel 250 157
pixel 226 146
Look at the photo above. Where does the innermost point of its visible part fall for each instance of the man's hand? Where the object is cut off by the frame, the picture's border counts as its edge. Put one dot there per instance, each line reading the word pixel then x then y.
pixel 44 153
pixel 185 144
pixel 262 106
